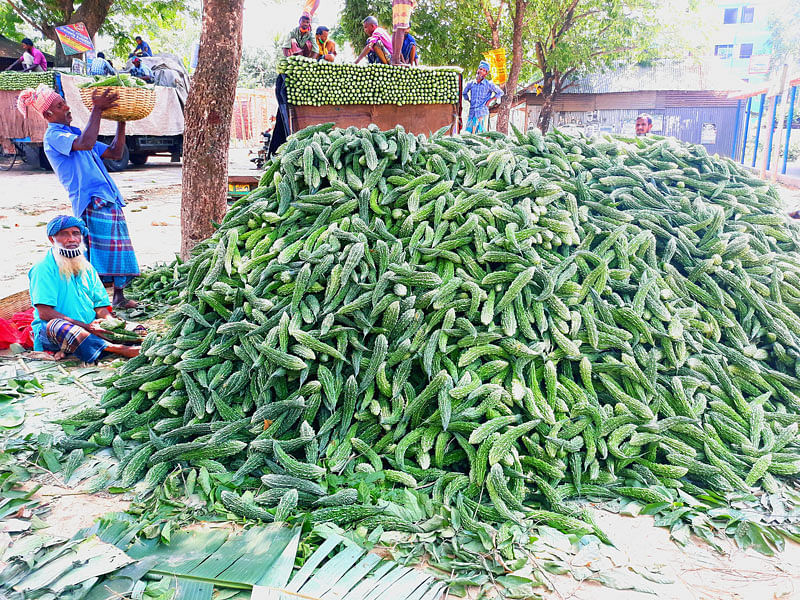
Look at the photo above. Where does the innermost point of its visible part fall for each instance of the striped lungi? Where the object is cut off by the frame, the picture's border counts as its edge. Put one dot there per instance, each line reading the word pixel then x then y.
pixel 401 13
pixel 477 124
pixel 108 244
pixel 62 336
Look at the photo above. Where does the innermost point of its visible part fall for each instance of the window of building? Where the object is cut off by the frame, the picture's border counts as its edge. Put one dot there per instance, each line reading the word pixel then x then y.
pixel 723 50
pixel 747 14
pixel 745 50
pixel 731 16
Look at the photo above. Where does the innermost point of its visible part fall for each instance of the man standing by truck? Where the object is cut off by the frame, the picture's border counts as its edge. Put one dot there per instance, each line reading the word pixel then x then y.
pixel 479 94
pixel 76 157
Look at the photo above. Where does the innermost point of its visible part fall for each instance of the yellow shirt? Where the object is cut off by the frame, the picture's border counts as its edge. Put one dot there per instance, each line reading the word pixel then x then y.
pixel 327 47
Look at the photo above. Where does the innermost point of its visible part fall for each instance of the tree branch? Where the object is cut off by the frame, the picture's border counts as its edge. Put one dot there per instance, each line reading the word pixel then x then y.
pixel 41 27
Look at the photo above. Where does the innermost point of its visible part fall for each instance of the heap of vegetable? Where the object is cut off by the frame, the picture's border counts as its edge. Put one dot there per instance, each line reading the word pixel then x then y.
pixel 315 83
pixel 516 321
pixel 119 80
pixel 17 80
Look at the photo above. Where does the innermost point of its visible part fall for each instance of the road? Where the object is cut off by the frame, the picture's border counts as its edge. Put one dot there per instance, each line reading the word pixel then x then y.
pixel 152 192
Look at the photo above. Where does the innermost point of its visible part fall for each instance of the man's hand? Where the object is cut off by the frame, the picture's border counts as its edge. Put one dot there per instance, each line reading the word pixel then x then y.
pixel 96 328
pixel 105 99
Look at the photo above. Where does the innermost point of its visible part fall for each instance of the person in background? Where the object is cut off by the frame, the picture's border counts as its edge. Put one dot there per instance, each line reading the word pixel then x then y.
pixel 644 123
pixel 142 48
pixel 479 94
pixel 300 41
pixel 326 48
pixel 408 52
pixel 77 159
pixel 141 71
pixel 69 298
pixel 32 58
pixel 379 45
pixel 100 66
pixel 401 21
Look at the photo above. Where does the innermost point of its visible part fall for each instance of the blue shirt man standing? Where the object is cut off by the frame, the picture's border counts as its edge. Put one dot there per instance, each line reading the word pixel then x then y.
pixel 479 93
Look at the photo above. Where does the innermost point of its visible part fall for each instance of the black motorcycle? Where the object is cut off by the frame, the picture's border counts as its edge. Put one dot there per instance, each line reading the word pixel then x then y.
pixel 263 152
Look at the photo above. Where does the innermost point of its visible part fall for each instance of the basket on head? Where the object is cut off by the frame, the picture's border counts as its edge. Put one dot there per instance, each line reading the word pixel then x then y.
pixel 134 102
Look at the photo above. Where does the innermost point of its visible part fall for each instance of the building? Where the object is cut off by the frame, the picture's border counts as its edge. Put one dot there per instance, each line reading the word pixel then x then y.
pixel 740 37
pixel 689 102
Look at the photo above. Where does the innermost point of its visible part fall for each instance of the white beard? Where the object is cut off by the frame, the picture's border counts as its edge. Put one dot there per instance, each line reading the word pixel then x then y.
pixel 70 266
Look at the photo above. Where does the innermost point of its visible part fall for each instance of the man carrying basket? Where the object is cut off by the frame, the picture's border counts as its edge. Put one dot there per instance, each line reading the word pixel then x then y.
pixel 76 157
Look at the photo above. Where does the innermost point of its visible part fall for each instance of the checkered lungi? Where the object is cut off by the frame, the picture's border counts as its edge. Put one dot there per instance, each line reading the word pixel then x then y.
pixel 108 245
pixel 401 13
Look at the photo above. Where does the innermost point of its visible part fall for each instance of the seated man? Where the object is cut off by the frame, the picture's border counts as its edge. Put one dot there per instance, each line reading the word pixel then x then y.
pixel 408 52
pixel 141 71
pixel 69 298
pixel 100 66
pixel 300 41
pixel 326 48
pixel 379 45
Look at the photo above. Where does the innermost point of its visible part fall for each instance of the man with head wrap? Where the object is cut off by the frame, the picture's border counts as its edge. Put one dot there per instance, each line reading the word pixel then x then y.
pixel 70 298
pixel 76 157
pixel 479 94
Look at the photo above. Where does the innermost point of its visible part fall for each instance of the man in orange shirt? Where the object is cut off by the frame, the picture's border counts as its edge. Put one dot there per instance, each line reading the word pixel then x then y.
pixel 326 48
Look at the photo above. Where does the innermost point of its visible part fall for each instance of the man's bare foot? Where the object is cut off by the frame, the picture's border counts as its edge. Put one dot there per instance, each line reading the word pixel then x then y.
pixel 123 350
pixel 120 301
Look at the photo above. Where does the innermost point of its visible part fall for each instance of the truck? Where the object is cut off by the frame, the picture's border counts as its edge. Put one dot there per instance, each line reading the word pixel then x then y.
pixel 158 134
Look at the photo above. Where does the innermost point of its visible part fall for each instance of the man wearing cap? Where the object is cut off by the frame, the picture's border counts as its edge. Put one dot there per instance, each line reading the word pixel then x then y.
pixel 76 157
pixel 479 94
pixel 69 298
pixel 378 48
pixel 32 59
pixel 326 48
pixel 141 71
pixel 300 41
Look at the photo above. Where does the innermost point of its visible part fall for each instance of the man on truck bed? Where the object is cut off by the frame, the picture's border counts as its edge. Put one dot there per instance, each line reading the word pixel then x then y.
pixel 379 45
pixel 300 41
pixel 69 298
pixel 401 21
pixel 326 48
pixel 32 59
pixel 100 66
pixel 76 157
pixel 142 48
pixel 479 94
pixel 141 71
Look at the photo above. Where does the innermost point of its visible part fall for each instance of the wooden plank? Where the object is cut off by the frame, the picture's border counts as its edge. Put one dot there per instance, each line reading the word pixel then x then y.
pixel 422 118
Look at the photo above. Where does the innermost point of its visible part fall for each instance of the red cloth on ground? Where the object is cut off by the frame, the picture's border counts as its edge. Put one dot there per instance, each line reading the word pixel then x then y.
pixel 18 330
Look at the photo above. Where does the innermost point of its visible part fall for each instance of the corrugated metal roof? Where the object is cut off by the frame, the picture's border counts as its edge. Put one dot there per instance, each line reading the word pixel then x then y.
pixel 665 75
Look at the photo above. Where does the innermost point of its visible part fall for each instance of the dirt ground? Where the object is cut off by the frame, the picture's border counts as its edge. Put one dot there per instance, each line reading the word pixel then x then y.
pixel 152 193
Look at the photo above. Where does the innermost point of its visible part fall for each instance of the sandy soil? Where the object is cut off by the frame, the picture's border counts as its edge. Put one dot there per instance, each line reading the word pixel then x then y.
pixel 152 192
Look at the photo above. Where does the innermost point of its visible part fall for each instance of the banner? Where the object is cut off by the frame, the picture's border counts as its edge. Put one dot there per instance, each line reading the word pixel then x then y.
pixel 759 64
pixel 74 38
pixel 497 63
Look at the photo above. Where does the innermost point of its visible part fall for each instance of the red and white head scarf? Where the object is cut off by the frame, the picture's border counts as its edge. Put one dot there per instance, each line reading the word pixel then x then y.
pixel 42 98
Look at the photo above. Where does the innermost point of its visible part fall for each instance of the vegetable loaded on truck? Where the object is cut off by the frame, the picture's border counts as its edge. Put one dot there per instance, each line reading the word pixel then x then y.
pixel 160 133
pixel 421 99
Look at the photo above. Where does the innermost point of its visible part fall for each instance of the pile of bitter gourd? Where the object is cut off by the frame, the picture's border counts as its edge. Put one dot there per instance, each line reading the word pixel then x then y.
pixel 502 323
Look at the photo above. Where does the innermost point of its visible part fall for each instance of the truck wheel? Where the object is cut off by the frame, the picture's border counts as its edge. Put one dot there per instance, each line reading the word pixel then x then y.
pixel 118 165
pixel 139 159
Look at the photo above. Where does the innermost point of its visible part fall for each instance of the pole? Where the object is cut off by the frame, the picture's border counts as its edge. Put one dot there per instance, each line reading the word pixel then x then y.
pixel 772 114
pixel 736 128
pixel 746 126
pixel 758 127
pixel 780 115
pixel 789 119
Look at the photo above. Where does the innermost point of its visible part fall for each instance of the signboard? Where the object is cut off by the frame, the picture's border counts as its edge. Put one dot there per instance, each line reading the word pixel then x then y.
pixel 497 62
pixel 74 38
pixel 708 134
pixel 759 64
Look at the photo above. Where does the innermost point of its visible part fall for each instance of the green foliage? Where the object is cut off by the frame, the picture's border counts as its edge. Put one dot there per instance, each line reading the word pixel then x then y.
pixel 258 67
pixel 783 25
pixel 10 22
pixel 447 32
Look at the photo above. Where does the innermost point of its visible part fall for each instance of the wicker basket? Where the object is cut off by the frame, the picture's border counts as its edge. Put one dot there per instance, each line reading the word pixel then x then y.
pixel 19 302
pixel 134 103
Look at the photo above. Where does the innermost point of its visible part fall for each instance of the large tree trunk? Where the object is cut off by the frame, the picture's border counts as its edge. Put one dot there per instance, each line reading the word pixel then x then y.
pixel 546 114
pixel 507 102
pixel 209 108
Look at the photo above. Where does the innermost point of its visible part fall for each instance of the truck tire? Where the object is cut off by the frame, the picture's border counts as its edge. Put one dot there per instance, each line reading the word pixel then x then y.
pixel 118 165
pixel 139 159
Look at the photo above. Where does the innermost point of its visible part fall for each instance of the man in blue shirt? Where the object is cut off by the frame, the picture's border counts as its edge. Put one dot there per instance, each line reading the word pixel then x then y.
pixel 408 52
pixel 76 157
pixel 479 94
pixel 141 71
pixel 142 48
pixel 100 66
pixel 69 298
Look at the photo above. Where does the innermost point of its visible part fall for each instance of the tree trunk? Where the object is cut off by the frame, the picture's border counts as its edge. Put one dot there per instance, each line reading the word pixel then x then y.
pixel 508 100
pixel 209 108
pixel 543 123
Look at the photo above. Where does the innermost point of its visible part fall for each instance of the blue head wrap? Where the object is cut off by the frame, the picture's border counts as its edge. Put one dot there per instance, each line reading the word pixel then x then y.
pixel 484 65
pixel 63 222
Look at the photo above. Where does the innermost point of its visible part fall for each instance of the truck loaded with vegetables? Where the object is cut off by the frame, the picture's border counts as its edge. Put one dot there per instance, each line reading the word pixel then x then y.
pixel 504 324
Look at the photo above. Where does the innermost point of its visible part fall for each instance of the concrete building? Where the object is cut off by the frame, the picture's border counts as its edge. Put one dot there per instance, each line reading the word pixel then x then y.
pixel 740 37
